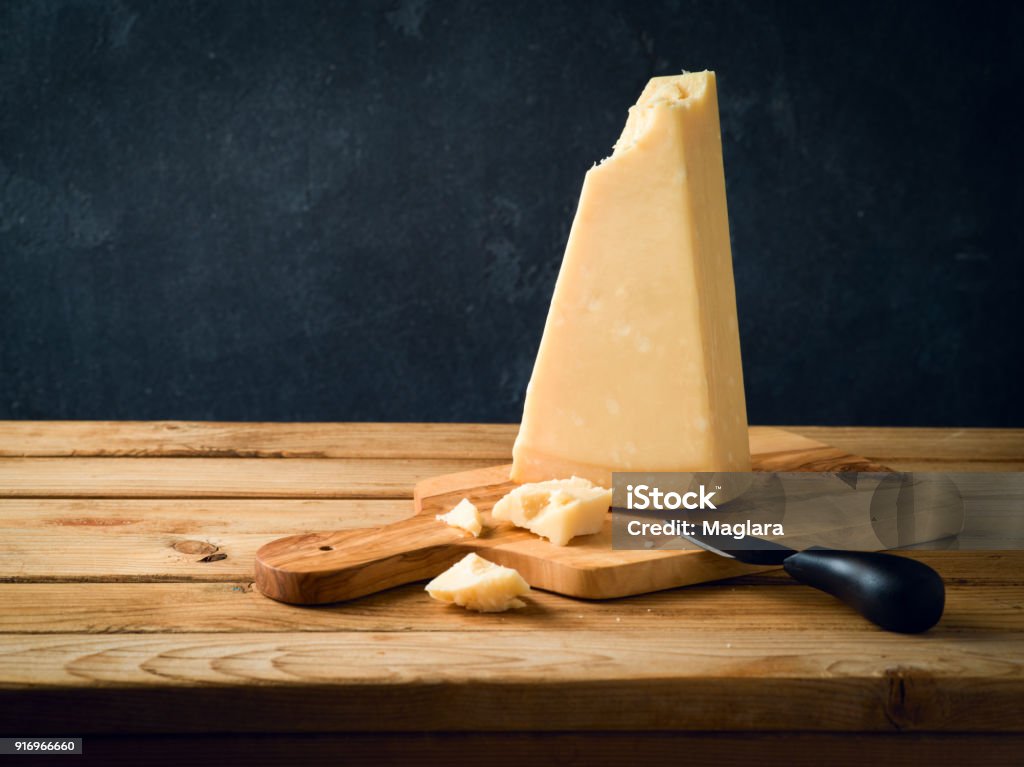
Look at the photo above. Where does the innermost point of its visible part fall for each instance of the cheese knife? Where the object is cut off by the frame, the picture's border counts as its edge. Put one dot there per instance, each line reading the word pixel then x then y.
pixel 896 593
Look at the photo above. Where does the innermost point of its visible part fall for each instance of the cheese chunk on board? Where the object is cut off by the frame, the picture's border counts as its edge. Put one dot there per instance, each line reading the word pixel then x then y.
pixel 558 510
pixel 639 367
pixel 464 516
pixel 476 584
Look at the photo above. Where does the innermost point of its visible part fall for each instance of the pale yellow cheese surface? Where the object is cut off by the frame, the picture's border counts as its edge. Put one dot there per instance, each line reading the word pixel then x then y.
pixel 639 366
pixel 558 510
pixel 464 516
pixel 476 584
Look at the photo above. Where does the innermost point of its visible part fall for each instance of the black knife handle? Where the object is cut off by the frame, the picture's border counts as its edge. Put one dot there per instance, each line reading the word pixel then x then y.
pixel 897 593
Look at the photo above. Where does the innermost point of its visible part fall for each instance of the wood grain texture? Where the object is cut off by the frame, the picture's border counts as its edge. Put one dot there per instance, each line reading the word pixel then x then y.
pixel 958 446
pixel 587 679
pixel 107 628
pixel 75 543
pixel 73 555
pixel 739 608
pixel 210 439
pixel 407 440
pixel 103 540
pixel 188 517
pixel 220 477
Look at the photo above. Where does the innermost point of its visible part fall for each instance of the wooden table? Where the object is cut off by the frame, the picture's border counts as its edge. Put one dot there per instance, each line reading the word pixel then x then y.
pixel 127 606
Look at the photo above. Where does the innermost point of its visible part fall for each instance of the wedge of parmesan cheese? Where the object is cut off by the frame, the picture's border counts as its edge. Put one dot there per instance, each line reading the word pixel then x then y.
pixel 639 368
pixel 476 584
pixel 464 516
pixel 558 509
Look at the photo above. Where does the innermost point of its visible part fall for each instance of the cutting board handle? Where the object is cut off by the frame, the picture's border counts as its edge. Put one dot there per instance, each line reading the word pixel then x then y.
pixel 317 568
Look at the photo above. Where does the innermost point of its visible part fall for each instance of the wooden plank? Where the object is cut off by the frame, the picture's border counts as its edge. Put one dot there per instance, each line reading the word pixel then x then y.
pixel 436 440
pixel 220 477
pixel 143 552
pixel 933 444
pixel 444 749
pixel 256 440
pixel 584 680
pixel 192 517
pixel 718 612
pixel 928 464
pixel 97 555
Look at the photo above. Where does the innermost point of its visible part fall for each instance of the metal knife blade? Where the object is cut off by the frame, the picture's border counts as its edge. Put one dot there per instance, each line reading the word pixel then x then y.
pixel 753 551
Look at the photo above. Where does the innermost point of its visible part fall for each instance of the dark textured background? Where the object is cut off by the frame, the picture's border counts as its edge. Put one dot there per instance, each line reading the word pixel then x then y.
pixel 348 211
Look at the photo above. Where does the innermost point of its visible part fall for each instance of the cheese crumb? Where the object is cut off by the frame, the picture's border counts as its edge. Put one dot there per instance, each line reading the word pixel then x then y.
pixel 558 510
pixel 476 584
pixel 464 516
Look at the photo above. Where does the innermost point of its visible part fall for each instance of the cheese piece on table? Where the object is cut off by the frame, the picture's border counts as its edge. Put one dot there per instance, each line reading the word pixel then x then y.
pixel 639 366
pixel 465 516
pixel 558 510
pixel 477 584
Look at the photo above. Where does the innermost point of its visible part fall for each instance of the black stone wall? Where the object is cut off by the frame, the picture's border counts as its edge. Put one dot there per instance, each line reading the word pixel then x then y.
pixel 268 210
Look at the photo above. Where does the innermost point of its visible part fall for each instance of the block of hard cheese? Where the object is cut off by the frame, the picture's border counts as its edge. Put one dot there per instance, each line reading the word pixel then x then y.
pixel 464 516
pixel 558 510
pixel 639 366
pixel 476 584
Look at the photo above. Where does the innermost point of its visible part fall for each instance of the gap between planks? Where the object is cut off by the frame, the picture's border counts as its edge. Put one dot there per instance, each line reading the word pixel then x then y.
pixel 256 440
pixel 720 612
pixel 108 554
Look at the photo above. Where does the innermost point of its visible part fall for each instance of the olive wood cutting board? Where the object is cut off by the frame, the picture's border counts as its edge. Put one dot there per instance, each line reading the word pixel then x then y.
pixel 323 567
